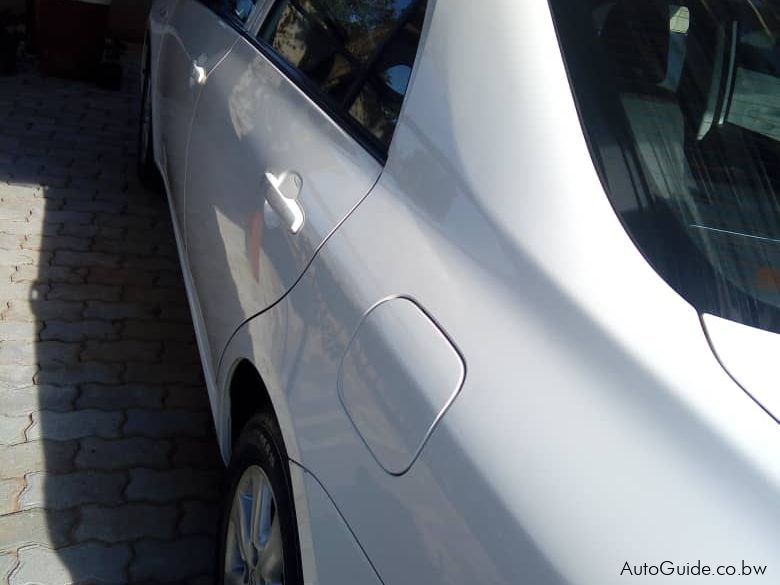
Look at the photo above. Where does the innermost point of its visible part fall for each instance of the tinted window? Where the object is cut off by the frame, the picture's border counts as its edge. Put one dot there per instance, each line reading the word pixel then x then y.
pixel 378 101
pixel 689 92
pixel 359 53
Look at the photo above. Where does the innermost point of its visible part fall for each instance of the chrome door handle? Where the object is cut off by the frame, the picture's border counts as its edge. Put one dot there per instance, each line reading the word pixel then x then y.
pixel 198 74
pixel 282 197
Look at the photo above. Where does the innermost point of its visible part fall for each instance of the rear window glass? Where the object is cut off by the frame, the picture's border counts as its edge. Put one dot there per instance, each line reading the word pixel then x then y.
pixel 680 102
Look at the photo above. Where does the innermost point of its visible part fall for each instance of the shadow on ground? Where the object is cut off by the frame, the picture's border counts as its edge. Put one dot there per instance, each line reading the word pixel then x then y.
pixel 109 469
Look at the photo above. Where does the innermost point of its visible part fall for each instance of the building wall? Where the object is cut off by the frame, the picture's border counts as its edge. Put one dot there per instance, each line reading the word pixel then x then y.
pixel 13 6
pixel 128 17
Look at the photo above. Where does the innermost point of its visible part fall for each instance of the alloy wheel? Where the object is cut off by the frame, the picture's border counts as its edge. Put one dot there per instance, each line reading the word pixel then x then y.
pixel 253 551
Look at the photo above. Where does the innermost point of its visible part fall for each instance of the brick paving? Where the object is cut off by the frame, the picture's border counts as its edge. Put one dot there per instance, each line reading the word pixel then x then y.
pixel 109 470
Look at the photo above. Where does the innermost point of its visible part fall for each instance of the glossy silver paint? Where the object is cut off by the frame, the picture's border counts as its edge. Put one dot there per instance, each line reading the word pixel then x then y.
pixel 186 58
pixel 749 355
pixel 393 411
pixel 250 122
pixel 337 558
pixel 587 433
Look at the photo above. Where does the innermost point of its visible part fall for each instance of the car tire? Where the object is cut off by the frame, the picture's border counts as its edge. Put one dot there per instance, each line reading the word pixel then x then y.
pixel 253 529
pixel 147 168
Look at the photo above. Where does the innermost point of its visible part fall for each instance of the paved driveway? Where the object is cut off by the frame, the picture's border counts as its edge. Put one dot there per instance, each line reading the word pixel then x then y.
pixel 108 465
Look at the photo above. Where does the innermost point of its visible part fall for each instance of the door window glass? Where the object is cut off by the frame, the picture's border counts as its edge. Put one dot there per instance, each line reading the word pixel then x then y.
pixel 378 101
pixel 359 53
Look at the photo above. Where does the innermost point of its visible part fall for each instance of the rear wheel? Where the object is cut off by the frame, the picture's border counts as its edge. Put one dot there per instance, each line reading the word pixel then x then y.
pixel 259 538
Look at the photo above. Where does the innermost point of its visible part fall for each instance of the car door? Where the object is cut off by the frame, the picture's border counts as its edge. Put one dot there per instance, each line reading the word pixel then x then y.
pixel 197 37
pixel 287 139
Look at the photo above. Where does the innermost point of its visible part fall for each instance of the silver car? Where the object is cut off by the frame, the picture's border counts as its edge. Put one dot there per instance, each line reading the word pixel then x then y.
pixel 485 292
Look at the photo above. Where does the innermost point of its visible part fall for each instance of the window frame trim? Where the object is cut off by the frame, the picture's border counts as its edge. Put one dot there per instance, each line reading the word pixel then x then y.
pixel 258 16
pixel 227 17
pixel 336 112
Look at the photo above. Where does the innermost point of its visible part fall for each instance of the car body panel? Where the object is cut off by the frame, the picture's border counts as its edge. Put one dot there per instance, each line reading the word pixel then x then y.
pixel 398 375
pixel 157 28
pixel 589 432
pixel 193 43
pixel 570 495
pixel 749 355
pixel 337 558
pixel 251 120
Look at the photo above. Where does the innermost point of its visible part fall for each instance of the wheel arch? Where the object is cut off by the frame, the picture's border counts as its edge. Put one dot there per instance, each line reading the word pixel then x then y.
pixel 247 395
pixel 246 390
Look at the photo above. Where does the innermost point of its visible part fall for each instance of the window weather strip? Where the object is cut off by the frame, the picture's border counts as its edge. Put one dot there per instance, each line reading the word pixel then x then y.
pixel 729 85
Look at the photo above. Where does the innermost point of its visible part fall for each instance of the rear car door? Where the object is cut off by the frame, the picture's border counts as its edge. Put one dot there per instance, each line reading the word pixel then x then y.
pixel 196 38
pixel 290 133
